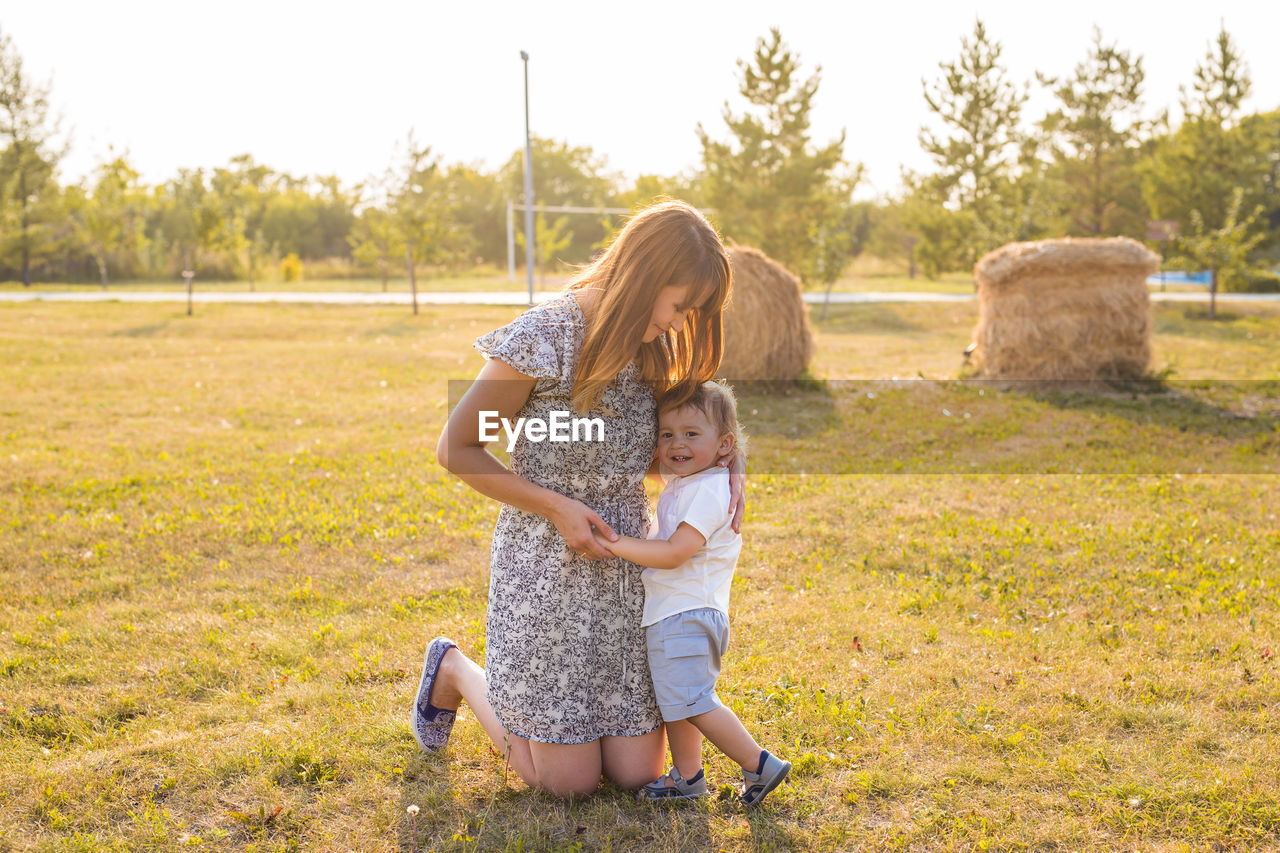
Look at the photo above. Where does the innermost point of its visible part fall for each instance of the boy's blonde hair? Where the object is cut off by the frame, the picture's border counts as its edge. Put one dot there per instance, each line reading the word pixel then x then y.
pixel 666 244
pixel 716 401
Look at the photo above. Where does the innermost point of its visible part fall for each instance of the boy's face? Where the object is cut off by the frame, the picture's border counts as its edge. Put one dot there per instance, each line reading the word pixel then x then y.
pixel 687 442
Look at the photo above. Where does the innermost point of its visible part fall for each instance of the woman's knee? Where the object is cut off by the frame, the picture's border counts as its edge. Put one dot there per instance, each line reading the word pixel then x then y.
pixel 634 761
pixel 567 788
pixel 566 770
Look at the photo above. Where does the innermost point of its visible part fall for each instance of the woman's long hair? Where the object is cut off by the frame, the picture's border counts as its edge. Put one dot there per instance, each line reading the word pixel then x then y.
pixel 668 244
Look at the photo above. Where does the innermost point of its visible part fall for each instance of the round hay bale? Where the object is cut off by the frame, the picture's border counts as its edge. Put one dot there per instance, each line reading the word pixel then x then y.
pixel 1075 309
pixel 766 323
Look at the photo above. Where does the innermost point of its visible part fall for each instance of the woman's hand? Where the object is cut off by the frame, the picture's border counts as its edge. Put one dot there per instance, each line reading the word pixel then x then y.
pixel 603 542
pixel 574 520
pixel 737 465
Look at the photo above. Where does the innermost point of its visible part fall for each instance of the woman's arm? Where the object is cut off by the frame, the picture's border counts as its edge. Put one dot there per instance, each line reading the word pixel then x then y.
pixel 737 464
pixel 501 388
pixel 658 553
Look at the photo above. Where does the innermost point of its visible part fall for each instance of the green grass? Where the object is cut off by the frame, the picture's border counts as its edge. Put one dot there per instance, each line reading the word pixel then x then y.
pixel 226 542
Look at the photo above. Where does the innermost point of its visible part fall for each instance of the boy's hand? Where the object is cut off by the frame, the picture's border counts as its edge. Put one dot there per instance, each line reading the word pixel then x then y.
pixel 603 543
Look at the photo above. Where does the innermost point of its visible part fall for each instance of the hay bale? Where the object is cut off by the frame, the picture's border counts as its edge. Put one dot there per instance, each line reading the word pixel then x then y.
pixel 766 323
pixel 1064 309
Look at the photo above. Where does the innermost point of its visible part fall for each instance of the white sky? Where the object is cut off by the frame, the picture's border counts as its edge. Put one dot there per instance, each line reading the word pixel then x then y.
pixel 326 87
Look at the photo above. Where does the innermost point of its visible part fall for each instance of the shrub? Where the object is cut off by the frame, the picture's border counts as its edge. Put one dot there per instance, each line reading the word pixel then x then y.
pixel 1258 281
pixel 291 267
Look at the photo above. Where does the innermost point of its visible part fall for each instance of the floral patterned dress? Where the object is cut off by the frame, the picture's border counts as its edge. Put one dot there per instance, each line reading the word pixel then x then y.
pixel 565 656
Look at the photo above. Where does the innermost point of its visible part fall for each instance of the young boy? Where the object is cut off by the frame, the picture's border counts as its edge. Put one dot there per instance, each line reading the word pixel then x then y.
pixel 686 611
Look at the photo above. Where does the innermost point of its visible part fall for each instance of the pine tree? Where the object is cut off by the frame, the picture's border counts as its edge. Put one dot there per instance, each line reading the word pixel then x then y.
pixel 771 186
pixel 976 155
pixel 1198 167
pixel 1222 82
pixel 1099 128
pixel 27 161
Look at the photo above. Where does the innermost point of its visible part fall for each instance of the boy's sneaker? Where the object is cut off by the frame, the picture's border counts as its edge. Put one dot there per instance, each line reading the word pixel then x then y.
pixel 671 786
pixel 757 785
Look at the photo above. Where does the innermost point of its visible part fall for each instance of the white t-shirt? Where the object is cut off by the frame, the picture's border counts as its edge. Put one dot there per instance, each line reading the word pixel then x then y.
pixel 702 501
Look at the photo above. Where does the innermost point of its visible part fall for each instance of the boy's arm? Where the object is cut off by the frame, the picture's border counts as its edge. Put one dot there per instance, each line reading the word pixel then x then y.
pixel 658 553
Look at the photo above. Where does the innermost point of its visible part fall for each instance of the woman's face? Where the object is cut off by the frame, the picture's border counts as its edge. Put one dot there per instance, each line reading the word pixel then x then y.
pixel 669 312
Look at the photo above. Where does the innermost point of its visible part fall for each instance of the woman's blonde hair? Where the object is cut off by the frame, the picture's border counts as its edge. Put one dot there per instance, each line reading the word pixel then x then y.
pixel 668 244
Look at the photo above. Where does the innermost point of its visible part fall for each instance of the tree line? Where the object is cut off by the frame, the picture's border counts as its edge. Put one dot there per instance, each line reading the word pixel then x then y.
pixel 1099 163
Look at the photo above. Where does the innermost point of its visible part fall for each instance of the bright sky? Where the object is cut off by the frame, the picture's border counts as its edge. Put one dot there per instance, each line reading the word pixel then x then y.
pixel 328 87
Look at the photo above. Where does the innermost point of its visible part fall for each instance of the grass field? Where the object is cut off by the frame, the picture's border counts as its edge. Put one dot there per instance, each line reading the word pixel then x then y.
pixel 226 542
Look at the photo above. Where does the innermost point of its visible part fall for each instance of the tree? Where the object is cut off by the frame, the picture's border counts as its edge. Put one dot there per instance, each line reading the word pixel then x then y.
pixel 568 175
pixel 1224 251
pixel 376 240
pixel 419 207
pixel 480 210
pixel 27 160
pixel 770 185
pixel 976 154
pixel 1216 165
pixel 111 219
pixel 1260 144
pixel 1099 128
pixel 943 237
pixel 839 237
pixel 1198 167
pixel 1222 82
pixel 647 189
pixel 242 191
pixel 549 241
pixel 891 238
pixel 192 220
pixel 310 217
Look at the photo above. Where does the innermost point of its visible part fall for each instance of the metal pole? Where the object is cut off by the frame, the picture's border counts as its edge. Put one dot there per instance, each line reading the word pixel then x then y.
pixel 528 181
pixel 511 240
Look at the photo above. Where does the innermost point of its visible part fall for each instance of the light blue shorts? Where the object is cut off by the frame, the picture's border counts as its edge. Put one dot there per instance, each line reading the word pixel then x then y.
pixel 684 659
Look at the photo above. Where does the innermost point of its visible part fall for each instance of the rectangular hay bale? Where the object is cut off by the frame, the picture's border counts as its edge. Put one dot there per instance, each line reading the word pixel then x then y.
pixel 1075 309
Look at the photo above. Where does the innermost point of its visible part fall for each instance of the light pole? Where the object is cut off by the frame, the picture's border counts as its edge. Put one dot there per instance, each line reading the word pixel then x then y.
pixel 528 181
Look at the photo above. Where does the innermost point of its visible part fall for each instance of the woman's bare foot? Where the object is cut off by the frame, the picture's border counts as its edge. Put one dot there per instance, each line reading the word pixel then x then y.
pixel 444 692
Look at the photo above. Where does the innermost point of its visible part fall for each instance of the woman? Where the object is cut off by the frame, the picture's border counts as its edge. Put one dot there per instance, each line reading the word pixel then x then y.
pixel 565 692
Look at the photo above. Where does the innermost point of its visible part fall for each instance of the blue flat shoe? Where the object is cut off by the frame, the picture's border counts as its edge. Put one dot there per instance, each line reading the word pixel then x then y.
pixel 431 725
